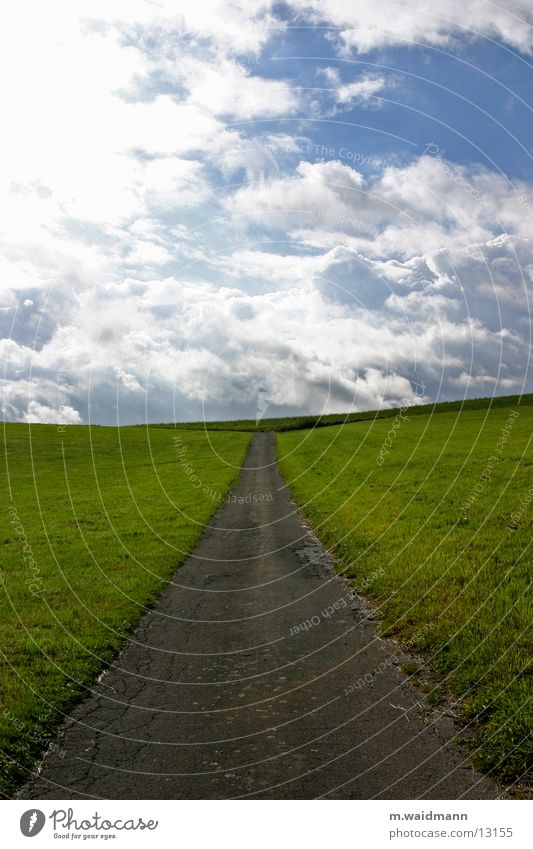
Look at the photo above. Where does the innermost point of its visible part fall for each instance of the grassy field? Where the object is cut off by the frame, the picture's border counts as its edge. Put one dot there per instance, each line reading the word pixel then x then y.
pixel 94 520
pixel 428 509
pixel 280 425
pixel 432 516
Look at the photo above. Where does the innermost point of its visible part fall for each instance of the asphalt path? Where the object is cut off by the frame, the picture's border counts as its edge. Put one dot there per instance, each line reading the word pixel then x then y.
pixel 258 674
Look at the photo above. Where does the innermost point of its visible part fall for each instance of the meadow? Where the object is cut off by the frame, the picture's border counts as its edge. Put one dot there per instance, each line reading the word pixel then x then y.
pixel 431 516
pixel 94 522
pixel 280 425
pixel 428 511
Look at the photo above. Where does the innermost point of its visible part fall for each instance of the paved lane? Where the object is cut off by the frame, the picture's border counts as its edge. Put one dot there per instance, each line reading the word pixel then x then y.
pixel 257 675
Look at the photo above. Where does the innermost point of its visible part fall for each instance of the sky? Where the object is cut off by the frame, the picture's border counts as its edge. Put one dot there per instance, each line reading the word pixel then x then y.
pixel 235 208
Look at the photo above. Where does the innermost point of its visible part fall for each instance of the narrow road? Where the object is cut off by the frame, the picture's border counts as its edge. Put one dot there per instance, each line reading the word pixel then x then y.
pixel 257 675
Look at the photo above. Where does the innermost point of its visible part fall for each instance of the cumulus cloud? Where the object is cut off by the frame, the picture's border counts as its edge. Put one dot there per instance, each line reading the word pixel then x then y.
pixel 315 190
pixel 363 91
pixel 227 88
pixel 48 415
pixel 344 325
pixel 368 24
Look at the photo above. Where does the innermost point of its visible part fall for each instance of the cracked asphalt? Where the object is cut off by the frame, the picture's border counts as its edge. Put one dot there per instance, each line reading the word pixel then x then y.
pixel 259 675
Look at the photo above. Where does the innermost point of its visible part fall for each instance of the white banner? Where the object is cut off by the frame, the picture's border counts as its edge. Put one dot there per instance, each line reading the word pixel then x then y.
pixel 267 824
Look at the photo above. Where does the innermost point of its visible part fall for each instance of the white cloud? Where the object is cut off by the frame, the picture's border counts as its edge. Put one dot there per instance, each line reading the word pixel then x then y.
pixel 87 150
pixel 370 24
pixel 278 269
pixel 316 189
pixel 227 88
pixel 408 210
pixel 347 324
pixel 48 415
pixel 363 91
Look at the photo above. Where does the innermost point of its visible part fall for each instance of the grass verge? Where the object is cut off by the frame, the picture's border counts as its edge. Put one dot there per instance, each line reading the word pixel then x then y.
pixel 431 516
pixel 94 522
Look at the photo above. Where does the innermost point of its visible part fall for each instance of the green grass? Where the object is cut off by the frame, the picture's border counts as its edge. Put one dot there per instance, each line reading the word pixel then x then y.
pixel 108 514
pixel 281 425
pixel 451 581
pixel 104 516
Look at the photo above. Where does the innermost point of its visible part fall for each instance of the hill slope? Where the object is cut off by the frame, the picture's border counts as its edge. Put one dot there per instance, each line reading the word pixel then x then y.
pixel 432 516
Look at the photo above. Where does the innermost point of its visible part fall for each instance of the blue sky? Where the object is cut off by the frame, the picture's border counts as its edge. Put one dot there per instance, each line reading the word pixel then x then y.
pixel 475 100
pixel 324 205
